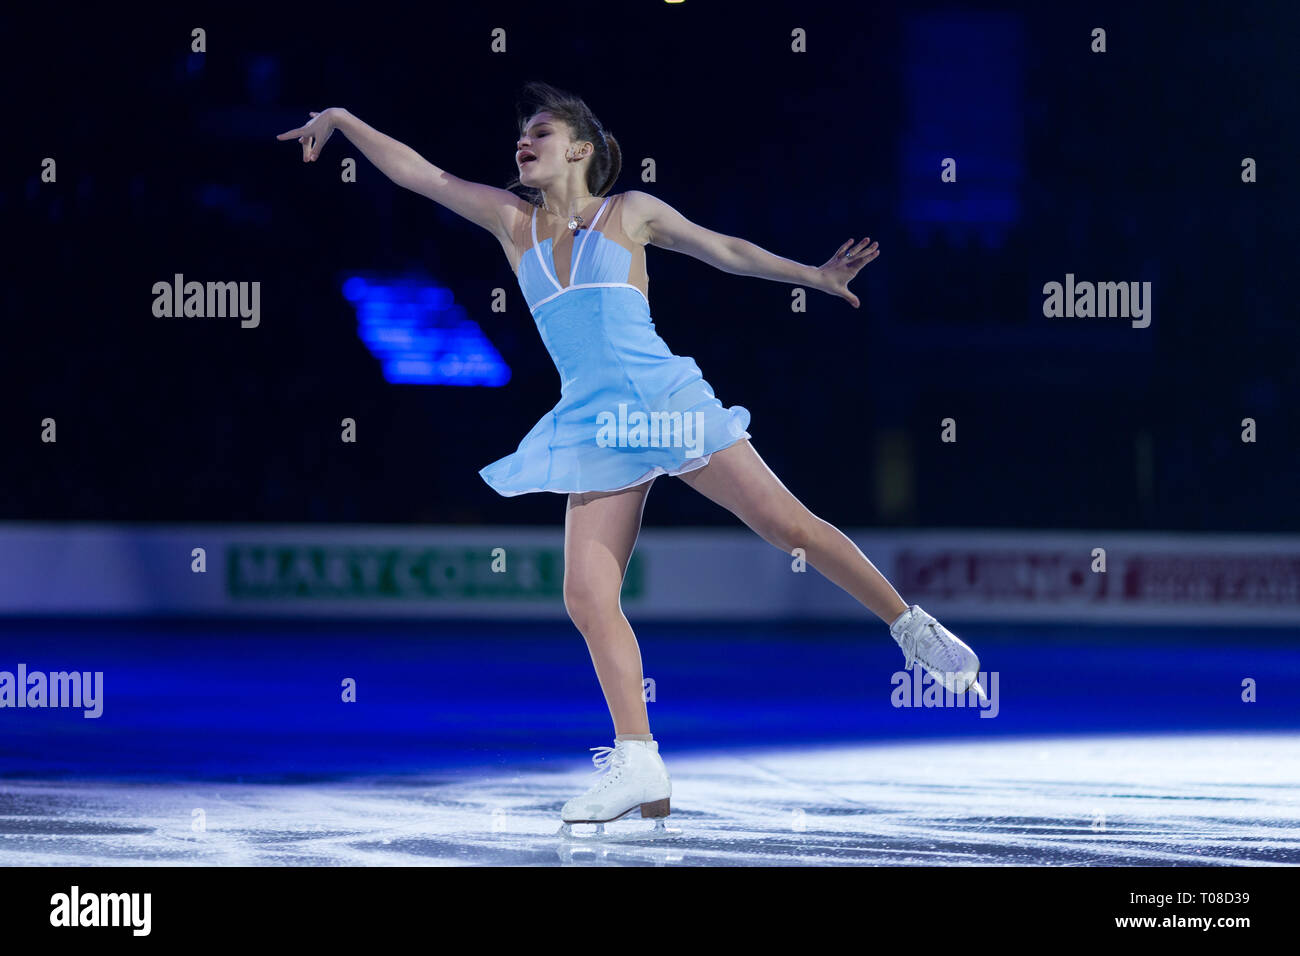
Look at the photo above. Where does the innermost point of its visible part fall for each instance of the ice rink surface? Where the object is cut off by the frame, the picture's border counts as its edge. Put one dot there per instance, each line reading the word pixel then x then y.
pixel 1166 800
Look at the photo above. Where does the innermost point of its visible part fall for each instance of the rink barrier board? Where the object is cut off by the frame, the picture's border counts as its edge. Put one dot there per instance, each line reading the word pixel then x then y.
pixel 714 574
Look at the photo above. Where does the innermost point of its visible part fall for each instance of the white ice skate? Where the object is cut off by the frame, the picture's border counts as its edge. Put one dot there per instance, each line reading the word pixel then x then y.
pixel 635 777
pixel 937 649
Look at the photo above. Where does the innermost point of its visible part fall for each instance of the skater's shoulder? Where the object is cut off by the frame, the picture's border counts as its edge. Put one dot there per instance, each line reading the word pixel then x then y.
pixel 635 210
pixel 518 212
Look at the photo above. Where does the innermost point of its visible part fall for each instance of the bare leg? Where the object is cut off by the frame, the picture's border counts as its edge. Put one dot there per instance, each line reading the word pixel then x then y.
pixel 600 530
pixel 738 480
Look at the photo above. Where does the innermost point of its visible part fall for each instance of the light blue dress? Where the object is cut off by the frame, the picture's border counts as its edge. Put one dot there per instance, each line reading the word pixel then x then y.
pixel 629 410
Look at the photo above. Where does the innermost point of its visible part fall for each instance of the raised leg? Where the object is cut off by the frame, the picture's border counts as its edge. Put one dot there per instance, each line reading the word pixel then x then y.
pixel 738 480
pixel 600 530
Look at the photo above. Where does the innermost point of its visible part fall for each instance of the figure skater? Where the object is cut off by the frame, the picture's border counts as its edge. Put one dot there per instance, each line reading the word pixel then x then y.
pixel 578 253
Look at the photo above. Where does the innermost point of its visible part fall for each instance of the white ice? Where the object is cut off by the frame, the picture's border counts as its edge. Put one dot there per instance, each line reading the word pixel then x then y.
pixel 1113 800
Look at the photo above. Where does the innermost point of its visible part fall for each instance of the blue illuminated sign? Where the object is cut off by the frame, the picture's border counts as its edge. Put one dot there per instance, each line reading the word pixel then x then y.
pixel 421 336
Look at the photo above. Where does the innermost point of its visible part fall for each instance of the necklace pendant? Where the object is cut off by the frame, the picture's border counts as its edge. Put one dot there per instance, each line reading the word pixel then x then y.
pixel 575 222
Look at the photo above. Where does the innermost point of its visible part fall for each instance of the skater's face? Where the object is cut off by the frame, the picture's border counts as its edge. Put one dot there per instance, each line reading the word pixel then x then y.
pixel 541 150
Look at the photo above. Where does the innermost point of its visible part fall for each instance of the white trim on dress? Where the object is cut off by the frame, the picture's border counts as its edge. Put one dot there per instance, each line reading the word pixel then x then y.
pixel 656 472
pixel 590 285
pixel 586 235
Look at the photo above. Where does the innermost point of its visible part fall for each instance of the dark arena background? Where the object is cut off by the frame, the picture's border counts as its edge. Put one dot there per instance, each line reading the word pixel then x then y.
pixel 1063 420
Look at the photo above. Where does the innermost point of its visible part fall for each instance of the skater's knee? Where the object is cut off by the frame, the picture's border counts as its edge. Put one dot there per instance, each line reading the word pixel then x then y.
pixel 588 603
pixel 792 530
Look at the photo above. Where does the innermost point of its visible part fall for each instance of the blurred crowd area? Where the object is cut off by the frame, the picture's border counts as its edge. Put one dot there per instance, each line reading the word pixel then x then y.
pixel 1124 168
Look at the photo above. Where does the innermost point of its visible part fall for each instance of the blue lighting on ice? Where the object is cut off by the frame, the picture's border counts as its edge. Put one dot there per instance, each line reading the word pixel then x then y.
pixel 421 336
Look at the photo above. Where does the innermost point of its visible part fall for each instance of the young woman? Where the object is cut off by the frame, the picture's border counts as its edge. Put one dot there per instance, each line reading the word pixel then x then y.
pixel 579 256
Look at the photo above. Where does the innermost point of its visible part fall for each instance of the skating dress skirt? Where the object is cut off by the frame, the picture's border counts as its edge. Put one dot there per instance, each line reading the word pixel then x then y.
pixel 629 409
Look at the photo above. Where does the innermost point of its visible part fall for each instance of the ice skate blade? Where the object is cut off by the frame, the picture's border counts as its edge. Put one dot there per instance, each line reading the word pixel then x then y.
pixel 653 810
pixel 567 834
pixel 974 685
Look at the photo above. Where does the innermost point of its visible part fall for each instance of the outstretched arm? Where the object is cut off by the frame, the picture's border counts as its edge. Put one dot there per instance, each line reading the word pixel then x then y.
pixel 662 225
pixel 482 205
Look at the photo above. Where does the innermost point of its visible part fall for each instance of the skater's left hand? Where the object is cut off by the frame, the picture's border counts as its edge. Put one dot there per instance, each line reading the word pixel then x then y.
pixel 844 265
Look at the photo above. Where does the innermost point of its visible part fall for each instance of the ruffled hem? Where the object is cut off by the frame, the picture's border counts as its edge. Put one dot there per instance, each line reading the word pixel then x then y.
pixel 738 421
pixel 693 465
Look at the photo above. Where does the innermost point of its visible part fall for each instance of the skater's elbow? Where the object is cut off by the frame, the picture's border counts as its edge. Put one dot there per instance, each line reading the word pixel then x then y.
pixel 723 252
pixel 737 257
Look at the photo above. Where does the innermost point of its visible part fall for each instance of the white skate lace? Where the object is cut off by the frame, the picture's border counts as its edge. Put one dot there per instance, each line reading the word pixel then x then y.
pixel 911 647
pixel 606 759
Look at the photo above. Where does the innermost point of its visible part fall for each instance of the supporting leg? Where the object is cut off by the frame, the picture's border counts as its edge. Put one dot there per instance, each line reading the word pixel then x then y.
pixel 600 531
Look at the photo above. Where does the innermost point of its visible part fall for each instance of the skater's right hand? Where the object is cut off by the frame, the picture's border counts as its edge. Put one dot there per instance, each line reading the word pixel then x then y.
pixel 314 134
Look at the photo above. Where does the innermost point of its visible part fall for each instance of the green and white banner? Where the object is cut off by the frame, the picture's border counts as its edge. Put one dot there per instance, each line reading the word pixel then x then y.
pixel 720 574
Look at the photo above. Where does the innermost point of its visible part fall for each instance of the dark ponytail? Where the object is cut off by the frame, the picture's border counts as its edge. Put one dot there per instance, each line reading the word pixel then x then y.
pixel 606 161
